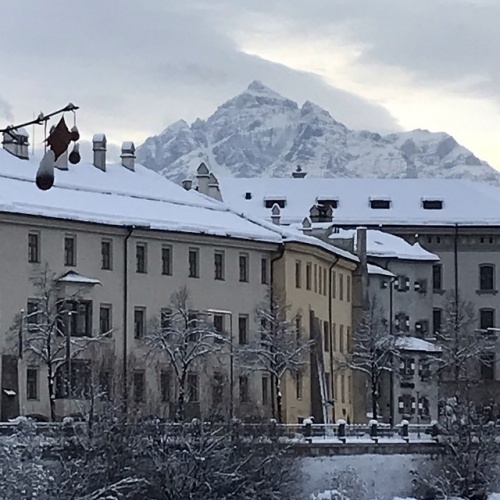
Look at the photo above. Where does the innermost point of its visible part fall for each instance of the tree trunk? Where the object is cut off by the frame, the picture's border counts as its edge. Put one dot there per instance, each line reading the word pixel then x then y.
pixel 374 401
pixel 181 399
pixel 52 396
pixel 279 397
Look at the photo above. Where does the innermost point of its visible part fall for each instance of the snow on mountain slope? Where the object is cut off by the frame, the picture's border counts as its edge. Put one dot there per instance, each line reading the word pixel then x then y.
pixel 260 133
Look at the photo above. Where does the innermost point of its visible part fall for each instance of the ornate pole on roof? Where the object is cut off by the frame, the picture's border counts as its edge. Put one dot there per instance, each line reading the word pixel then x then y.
pixel 57 141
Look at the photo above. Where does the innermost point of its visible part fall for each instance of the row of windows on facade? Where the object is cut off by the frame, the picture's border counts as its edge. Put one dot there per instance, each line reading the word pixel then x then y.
pixel 486 319
pixel 486 277
pixel 316 278
pixel 407 404
pixel 463 240
pixel 141 259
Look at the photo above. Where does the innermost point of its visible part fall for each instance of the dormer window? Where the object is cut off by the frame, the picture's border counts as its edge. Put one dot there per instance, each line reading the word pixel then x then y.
pixel 270 201
pixel 328 202
pixel 380 203
pixel 432 204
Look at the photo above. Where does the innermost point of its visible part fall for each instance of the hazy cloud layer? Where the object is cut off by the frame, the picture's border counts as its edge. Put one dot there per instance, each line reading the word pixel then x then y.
pixel 134 67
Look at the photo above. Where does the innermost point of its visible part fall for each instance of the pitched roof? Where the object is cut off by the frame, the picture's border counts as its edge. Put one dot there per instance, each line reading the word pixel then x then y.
pixel 462 202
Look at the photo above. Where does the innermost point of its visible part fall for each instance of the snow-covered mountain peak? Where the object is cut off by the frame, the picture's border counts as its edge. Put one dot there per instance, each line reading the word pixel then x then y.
pixel 261 133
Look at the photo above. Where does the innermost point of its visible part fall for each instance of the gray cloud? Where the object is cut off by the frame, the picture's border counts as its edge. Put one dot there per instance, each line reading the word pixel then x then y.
pixel 135 67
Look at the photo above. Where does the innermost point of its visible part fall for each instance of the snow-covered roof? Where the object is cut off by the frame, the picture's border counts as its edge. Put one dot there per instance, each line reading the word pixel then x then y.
pixel 462 202
pixel 120 197
pixel 380 271
pixel 386 245
pixel 139 198
pixel 416 344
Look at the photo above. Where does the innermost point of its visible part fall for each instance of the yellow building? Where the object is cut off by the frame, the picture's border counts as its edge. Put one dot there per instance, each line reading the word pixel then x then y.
pixel 315 280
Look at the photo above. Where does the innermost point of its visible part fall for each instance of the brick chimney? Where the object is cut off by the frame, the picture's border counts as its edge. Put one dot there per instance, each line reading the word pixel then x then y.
pixel 99 148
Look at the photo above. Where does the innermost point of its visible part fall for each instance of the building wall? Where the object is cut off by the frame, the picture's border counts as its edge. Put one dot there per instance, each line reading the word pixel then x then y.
pixel 318 320
pixel 151 290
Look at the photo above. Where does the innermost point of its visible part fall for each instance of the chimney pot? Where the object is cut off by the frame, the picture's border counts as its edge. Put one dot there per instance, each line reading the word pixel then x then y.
pixel 299 174
pixel 99 148
pixel 187 184
pixel 203 178
pixel 128 155
pixel 276 214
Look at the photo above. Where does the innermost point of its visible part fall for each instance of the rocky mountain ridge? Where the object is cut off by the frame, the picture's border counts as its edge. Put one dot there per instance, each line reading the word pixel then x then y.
pixel 260 133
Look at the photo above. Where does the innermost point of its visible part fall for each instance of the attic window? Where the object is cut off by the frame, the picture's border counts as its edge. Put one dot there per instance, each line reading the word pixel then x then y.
pixel 380 203
pixel 432 204
pixel 328 202
pixel 270 201
pixel 248 195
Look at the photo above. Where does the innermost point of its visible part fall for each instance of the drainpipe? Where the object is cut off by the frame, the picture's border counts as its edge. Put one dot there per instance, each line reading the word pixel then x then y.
pixel 130 230
pixel 330 317
pixel 281 252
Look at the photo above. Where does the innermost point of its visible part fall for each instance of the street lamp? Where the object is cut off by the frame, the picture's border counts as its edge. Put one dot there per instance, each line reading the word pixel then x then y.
pixel 223 312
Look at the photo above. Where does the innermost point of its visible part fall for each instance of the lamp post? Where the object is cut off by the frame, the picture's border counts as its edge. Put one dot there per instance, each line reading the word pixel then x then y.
pixel 229 314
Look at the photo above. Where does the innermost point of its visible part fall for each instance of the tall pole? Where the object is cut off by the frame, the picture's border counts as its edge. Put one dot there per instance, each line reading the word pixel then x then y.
pixel 231 367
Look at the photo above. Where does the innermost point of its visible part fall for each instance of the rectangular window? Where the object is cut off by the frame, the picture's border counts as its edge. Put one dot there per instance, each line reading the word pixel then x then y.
pixel 298 327
pixel 348 339
pixel 139 322
pixel 192 327
pixel 166 260
pixel 348 289
pixel 194 263
pixel 325 282
pixel 243 268
pixel 407 367
pixel 265 390
pixel 107 254
pixel 298 274
pixel 342 389
pixel 244 390
pixel 349 389
pixel 34 248
pixel 70 250
pixel 263 271
pixel 165 387
pixel 326 337
pixel 315 278
pixel 139 386
pixel 80 318
pixel 334 337
pixel 488 366
pixel 219 266
pixel 32 383
pixel 437 277
pixel 298 385
pixel 486 277
pixel 380 204
pixel 320 280
pixel 219 323
pixel 193 392
pixel 141 264
pixel 243 329
pixel 341 286
pixel 334 285
pixel 486 318
pixel 105 323
pixel 437 321
pixel 341 338
pixel 33 314
pixel 308 276
pixel 217 389
pixel 165 319
pixel 328 383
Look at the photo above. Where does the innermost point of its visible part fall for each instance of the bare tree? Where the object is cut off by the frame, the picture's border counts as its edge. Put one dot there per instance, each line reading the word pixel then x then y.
pixel 374 350
pixel 185 341
pixel 278 349
pixel 44 333
pixel 465 349
pixel 468 463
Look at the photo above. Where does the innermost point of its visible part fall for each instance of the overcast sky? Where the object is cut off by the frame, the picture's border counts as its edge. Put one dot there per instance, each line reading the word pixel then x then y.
pixel 135 66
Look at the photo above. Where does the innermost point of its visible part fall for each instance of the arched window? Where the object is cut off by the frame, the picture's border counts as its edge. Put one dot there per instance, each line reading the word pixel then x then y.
pixel 486 277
